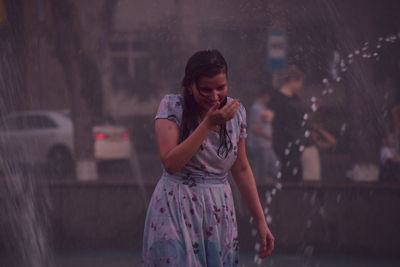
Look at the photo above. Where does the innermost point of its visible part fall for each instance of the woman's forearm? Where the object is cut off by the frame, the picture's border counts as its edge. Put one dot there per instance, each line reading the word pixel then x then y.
pixel 182 153
pixel 245 181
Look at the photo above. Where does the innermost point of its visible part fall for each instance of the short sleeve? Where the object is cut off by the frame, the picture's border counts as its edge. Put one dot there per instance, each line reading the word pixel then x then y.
pixel 170 108
pixel 242 121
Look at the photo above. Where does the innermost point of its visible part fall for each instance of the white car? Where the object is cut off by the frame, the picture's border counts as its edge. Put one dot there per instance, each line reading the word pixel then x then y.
pixel 45 138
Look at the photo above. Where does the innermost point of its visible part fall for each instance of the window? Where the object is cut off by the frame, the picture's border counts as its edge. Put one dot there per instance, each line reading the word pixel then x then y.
pixel 131 63
pixel 34 122
pixel 120 73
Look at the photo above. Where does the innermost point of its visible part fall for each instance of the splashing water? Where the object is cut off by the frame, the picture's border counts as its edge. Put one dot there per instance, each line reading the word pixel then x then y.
pixel 367 51
pixel 25 222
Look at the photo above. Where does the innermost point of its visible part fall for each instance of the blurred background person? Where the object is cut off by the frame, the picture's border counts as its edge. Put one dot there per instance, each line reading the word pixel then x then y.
pixel 389 158
pixel 396 120
pixel 310 157
pixel 260 139
pixel 290 132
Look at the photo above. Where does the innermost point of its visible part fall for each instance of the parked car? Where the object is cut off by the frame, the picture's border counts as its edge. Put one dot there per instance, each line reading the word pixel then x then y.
pixel 45 138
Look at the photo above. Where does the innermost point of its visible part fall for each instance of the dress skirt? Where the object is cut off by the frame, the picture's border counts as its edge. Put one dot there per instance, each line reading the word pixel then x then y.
pixel 191 221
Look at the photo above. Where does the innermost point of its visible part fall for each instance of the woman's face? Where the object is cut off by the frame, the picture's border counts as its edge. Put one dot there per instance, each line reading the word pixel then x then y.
pixel 209 91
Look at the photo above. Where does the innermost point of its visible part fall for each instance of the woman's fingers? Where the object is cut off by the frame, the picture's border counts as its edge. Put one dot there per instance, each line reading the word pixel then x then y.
pixel 267 245
pixel 263 249
pixel 271 243
pixel 224 114
pixel 230 109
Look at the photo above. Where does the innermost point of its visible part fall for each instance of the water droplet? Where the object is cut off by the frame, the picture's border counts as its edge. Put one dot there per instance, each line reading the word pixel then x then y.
pixel 257 246
pixel 375 54
pixel 253 232
pixel 301 148
pixel 277 163
pixel 290 144
pixel 386 95
pixel 330 91
pixel 350 61
pixel 338 198
pixel 251 220
pixel 378 46
pixel 308 251
pixel 279 175
pixel 380 39
pixel 314 107
pixel 273 191
pixel 357 52
pixel 344 69
pixel 255 258
pixel 297 141
pixel 365 48
pixel 307 133
pixel 322 212
pixel 338 79
pixel 325 80
pixel 342 64
pixel 287 151
pixel 385 113
pixel 305 117
pixel 279 186
pixel 266 211
pixel 324 92
pixel 364 55
pixel 350 56
pixel 313 198
pixel 295 171
pixel 269 219
pixel 366 43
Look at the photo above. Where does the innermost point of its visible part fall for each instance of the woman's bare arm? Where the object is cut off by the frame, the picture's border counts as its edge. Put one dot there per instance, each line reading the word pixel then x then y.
pixel 173 155
pixel 243 176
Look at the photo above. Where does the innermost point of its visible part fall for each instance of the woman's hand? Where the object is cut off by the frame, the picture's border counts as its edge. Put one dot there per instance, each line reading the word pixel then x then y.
pixel 267 240
pixel 215 116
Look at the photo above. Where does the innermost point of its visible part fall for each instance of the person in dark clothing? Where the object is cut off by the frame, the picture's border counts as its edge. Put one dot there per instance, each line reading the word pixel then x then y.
pixel 291 132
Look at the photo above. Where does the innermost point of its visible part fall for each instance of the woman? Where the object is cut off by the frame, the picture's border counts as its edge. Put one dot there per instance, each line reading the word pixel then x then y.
pixel 200 135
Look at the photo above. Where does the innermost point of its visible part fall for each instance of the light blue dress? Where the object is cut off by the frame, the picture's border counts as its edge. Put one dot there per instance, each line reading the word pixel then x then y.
pixel 191 217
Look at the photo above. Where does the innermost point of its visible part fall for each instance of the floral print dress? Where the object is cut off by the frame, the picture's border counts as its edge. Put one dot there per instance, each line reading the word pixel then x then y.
pixel 191 217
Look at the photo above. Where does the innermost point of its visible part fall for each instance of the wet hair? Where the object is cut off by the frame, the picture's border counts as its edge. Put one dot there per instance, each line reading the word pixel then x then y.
pixel 207 63
pixel 289 74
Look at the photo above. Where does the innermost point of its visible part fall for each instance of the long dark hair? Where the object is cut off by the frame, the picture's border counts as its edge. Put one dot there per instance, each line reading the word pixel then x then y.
pixel 207 63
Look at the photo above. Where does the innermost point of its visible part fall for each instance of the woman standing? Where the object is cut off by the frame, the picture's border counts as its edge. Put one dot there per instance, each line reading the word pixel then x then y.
pixel 201 136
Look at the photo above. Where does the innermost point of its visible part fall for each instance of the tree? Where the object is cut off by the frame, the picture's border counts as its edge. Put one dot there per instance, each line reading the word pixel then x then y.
pixel 79 46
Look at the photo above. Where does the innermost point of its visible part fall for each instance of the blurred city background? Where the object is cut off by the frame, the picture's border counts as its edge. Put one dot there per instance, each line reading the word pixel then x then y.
pixel 80 82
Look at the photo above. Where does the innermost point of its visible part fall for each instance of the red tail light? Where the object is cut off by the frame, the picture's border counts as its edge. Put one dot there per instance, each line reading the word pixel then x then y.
pixel 125 136
pixel 99 136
